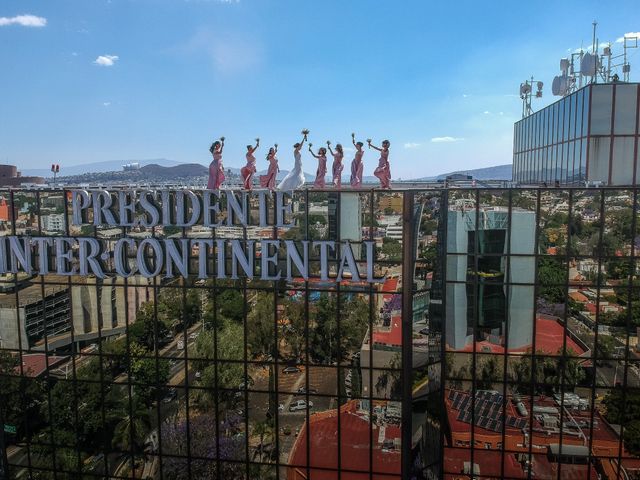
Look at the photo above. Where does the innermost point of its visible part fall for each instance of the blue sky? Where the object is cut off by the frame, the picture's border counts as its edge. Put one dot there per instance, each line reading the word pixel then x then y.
pixel 85 81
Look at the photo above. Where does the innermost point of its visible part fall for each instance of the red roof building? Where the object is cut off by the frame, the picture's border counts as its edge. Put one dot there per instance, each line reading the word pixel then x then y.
pixel 356 436
pixel 35 364
pixel 520 436
pixel 550 339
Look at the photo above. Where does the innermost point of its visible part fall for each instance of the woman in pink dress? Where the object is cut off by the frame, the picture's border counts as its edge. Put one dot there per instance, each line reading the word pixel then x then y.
pixel 383 172
pixel 216 169
pixel 336 169
pixel 269 180
pixel 322 167
pixel 356 165
pixel 249 169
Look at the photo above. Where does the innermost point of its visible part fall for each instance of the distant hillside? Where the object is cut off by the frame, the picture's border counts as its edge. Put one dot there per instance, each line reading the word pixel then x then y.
pixel 498 172
pixel 149 173
pixel 182 170
pixel 164 170
pixel 108 166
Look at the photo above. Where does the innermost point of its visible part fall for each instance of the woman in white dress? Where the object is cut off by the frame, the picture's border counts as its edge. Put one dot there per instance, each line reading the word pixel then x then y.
pixel 295 178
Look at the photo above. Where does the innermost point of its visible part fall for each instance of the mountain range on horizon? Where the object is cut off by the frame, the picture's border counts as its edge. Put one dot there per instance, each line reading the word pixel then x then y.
pixel 497 172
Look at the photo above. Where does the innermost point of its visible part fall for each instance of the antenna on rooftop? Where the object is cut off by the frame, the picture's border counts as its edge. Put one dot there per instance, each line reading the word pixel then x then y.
pixel 583 67
pixel 527 94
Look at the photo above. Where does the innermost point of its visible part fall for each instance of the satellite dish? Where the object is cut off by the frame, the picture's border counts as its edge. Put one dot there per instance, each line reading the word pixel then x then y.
pixel 564 65
pixel 589 65
pixel 560 85
pixel 525 89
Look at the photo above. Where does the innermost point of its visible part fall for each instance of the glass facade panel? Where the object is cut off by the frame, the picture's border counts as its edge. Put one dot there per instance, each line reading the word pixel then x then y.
pixel 548 130
pixel 625 109
pixel 601 109
pixel 499 343
pixel 566 104
pixel 586 110
pixel 579 114
pixel 599 153
pixel 622 162
pixel 572 117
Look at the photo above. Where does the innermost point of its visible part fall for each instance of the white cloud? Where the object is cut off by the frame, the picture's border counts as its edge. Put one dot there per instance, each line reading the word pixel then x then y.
pixel 24 21
pixel 411 145
pixel 106 60
pixel 74 54
pixel 230 53
pixel 486 112
pixel 465 95
pixel 629 34
pixel 446 139
pixel 589 48
pixel 106 104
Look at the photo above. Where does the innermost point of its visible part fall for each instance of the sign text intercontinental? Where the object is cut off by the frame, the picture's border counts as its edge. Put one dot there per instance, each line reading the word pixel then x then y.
pixel 83 255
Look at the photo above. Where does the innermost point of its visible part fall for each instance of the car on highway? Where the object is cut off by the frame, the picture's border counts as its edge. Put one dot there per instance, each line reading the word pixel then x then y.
pixel 298 405
pixel 291 369
pixel 171 395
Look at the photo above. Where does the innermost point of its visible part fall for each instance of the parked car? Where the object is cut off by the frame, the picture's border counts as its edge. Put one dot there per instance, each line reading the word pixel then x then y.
pixel 298 405
pixel 244 385
pixel 180 344
pixel 291 370
pixel 303 390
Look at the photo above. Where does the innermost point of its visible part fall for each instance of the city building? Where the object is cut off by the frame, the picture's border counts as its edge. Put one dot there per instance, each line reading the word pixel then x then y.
pixel 498 339
pixel 590 135
pixel 53 222
pixel 4 210
pixel 11 177
pixel 47 313
pixel 486 289
pixel 356 448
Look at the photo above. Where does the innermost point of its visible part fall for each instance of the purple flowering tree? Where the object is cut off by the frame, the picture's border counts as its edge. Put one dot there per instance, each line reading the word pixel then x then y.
pixel 228 448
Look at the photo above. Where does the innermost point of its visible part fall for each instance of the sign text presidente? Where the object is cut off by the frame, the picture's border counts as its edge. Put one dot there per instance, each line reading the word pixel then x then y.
pixel 205 257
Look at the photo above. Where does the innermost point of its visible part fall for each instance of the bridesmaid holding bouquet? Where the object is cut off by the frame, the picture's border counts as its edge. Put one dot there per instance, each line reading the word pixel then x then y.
pixel 357 166
pixel 249 169
pixel 337 167
pixel 383 171
pixel 216 169
pixel 322 167
pixel 269 180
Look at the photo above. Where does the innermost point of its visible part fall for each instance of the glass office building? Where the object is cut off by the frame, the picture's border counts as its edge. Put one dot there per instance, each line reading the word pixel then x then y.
pixel 501 341
pixel 590 135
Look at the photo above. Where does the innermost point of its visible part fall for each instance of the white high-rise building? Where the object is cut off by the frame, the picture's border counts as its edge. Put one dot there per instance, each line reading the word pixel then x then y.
pixel 477 274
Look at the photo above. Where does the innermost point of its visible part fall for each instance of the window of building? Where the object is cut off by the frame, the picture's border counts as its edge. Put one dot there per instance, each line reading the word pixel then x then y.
pixel 601 109
pixel 625 109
